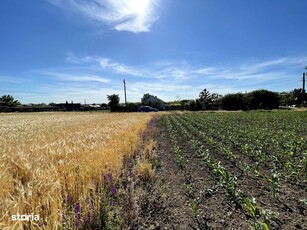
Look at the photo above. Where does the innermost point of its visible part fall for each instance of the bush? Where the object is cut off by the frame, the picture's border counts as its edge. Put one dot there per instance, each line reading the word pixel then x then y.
pixel 233 101
pixel 262 99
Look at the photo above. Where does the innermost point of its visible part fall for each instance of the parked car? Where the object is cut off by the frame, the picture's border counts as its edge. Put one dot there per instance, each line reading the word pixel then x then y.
pixel 147 109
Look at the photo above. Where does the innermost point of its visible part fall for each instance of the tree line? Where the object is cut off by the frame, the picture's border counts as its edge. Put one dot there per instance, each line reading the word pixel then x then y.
pixel 257 99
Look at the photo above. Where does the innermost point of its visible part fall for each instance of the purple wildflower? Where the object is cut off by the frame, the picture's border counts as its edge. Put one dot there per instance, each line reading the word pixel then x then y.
pixel 38 194
pixel 78 208
pixel 111 203
pixel 112 189
pixel 43 207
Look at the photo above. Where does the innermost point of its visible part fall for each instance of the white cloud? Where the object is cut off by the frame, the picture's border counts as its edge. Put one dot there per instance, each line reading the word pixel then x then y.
pixel 121 68
pixel 123 15
pixel 87 78
pixel 205 71
pixel 76 77
pixel 107 64
pixel 166 71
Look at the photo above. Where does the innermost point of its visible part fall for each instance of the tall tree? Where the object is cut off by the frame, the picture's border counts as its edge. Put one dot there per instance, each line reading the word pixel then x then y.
pixel 8 100
pixel 298 96
pixel 205 98
pixel 215 99
pixel 113 102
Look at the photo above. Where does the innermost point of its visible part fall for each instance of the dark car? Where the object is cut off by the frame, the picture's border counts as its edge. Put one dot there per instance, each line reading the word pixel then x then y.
pixel 147 109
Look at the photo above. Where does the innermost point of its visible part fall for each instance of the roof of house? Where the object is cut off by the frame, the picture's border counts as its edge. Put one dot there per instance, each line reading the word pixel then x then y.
pixel 155 99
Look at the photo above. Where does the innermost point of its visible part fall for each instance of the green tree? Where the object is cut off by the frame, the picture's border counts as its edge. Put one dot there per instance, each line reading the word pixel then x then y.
pixel 8 100
pixel 205 99
pixel 233 101
pixel 286 99
pixel 262 99
pixel 113 102
pixel 145 98
pixel 215 99
pixel 298 96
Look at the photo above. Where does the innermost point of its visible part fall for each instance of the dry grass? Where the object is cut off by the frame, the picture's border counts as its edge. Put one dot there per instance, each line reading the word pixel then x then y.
pixel 149 150
pixel 46 157
pixel 144 170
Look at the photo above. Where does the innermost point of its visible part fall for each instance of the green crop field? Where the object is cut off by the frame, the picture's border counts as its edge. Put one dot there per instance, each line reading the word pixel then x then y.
pixel 242 169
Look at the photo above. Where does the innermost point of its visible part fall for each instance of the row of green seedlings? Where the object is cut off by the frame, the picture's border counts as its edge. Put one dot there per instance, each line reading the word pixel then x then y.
pixel 297 172
pixel 273 180
pixel 276 152
pixel 285 148
pixel 194 201
pixel 229 182
pixel 172 132
pixel 212 135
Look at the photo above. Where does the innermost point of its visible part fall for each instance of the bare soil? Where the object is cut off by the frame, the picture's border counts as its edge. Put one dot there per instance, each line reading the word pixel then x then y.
pixel 169 197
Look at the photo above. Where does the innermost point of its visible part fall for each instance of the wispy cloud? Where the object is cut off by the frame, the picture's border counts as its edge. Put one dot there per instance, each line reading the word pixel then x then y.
pixel 123 15
pixel 255 72
pixel 163 70
pixel 121 68
pixel 76 77
pixel 107 64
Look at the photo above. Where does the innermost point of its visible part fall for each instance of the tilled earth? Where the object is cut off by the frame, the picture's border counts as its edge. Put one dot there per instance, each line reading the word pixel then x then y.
pixel 170 198
pixel 193 198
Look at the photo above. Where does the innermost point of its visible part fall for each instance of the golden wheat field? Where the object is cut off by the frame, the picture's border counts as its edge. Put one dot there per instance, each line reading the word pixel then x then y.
pixel 47 158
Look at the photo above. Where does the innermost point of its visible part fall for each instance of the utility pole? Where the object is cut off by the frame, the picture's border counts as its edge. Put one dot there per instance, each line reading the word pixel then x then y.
pixel 125 94
pixel 304 74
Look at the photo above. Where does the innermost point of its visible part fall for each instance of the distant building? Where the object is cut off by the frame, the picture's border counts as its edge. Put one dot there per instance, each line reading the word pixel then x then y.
pixel 156 102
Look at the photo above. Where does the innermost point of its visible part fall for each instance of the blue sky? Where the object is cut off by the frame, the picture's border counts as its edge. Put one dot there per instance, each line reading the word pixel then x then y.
pixel 76 50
